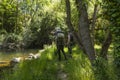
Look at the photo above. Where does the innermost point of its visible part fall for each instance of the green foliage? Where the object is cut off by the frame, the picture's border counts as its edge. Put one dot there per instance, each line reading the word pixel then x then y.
pixel 79 69
pixel 47 67
pixel 103 70
pixel 41 23
pixel 44 68
pixel 12 38
pixel 112 14
pixel 9 17
pixel 11 42
pixel 31 20
pixel 99 35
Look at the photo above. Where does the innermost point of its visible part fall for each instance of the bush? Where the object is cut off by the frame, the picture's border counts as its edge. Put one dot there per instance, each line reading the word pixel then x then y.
pixel 11 42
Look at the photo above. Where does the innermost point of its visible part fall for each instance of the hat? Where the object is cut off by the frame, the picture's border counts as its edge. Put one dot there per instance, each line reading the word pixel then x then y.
pixel 58 29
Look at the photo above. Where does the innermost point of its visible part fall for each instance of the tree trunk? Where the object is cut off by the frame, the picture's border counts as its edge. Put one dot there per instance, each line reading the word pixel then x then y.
pixel 70 26
pixel 93 23
pixel 84 30
pixel 106 45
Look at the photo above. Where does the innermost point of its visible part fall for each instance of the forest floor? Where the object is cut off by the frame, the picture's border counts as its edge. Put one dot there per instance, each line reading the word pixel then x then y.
pixel 48 67
pixel 61 75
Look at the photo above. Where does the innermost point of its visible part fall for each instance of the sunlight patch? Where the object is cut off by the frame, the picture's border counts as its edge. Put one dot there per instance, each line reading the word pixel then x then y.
pixel 49 56
pixel 97 46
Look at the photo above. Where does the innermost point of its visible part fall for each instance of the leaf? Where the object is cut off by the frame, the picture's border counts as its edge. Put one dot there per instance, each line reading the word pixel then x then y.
pixel 118 1
pixel 115 15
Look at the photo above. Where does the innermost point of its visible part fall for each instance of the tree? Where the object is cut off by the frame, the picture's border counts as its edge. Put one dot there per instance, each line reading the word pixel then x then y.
pixel 111 13
pixel 84 38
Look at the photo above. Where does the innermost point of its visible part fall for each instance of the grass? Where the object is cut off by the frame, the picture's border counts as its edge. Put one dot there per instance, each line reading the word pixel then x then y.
pixel 39 69
pixel 48 66
pixel 79 68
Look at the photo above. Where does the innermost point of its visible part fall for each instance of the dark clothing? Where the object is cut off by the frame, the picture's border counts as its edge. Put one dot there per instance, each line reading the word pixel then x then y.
pixel 60 49
pixel 70 47
pixel 71 37
pixel 70 42
pixel 60 41
pixel 60 45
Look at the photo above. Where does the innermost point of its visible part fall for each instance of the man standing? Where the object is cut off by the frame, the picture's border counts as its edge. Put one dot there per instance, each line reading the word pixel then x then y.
pixel 70 42
pixel 59 40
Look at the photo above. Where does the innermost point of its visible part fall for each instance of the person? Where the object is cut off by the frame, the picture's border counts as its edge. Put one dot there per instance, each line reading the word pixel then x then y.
pixel 70 42
pixel 59 40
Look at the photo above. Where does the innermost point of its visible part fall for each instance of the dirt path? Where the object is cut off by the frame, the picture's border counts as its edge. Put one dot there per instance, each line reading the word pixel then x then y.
pixel 61 75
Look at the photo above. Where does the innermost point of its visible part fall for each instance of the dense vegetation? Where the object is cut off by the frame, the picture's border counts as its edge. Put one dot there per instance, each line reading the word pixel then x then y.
pixel 47 67
pixel 27 24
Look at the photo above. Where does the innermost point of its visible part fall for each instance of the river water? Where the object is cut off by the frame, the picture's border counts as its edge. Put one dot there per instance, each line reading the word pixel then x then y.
pixel 6 56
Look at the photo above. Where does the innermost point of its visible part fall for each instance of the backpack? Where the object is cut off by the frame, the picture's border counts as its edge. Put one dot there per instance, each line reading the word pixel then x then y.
pixel 60 38
pixel 71 37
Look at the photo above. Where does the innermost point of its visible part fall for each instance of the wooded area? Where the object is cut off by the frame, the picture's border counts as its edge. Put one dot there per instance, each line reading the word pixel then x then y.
pixel 27 24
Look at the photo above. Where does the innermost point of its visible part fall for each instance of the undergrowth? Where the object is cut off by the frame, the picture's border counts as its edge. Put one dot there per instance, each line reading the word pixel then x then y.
pixel 77 68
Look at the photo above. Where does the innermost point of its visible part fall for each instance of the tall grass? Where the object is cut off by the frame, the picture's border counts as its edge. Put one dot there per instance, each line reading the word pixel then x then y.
pixel 79 68
pixel 103 70
pixel 76 68
pixel 39 69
